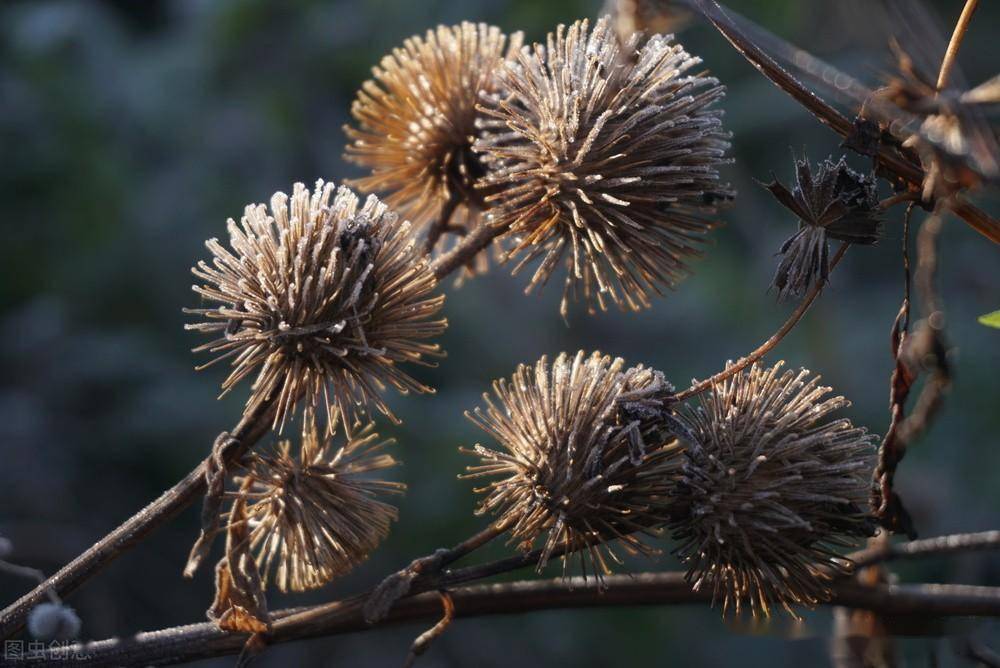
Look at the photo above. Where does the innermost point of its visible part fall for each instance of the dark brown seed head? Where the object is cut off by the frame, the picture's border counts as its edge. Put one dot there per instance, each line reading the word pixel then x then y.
pixel 834 203
pixel 585 459
pixel 315 514
pixel 417 120
pixel 318 299
pixel 772 490
pixel 608 166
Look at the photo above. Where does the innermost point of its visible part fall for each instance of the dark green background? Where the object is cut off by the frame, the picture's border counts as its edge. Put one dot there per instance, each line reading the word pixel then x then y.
pixel 130 131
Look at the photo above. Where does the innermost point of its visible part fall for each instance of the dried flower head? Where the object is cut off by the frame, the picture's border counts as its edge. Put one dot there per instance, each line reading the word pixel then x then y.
pixel 587 456
pixel 417 120
pixel 611 166
pixel 834 203
pixel 315 514
pixel 772 490
pixel 318 299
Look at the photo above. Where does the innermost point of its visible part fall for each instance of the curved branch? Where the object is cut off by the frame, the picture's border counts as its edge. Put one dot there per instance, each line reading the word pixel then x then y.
pixel 200 641
pixel 767 346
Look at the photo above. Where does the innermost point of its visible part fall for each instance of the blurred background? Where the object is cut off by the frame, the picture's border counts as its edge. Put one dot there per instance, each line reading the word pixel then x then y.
pixel 130 131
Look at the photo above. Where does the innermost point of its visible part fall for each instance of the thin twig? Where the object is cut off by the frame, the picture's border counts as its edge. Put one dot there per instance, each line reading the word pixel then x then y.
pixel 200 641
pixel 767 346
pixel 961 27
pixel 401 583
pixel 440 226
pixel 466 249
pixel 424 640
pixel 887 505
pixel 939 545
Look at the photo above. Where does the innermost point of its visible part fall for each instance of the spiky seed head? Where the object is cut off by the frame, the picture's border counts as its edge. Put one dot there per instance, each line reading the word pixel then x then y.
pixel 318 299
pixel 609 166
pixel 584 458
pixel 316 512
pixel 416 120
pixel 835 202
pixel 772 489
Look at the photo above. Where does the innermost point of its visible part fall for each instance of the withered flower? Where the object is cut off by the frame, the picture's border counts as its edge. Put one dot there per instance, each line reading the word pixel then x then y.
pixel 315 514
pixel 586 459
pixel 417 120
pixel 318 299
pixel 609 165
pixel 834 203
pixel 772 489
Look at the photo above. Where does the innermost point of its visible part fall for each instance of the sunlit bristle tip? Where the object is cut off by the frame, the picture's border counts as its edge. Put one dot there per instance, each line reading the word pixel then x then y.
pixel 604 164
pixel 774 491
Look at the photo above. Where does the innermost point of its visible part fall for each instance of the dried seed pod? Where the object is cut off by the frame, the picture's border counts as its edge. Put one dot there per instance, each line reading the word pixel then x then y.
pixel 772 490
pixel 417 121
pixel 834 203
pixel 315 514
pixel 610 166
pixel 325 300
pixel 586 457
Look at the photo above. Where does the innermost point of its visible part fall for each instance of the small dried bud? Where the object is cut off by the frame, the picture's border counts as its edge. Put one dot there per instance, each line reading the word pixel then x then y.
pixel 835 203
pixel 609 165
pixel 586 459
pixel 318 299
pixel 53 621
pixel 772 489
pixel 417 120
pixel 316 514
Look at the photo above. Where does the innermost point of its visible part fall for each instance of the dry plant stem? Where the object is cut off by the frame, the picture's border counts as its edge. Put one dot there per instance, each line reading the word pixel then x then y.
pixel 424 640
pixel 440 226
pixel 939 545
pixel 405 581
pixel 250 428
pixel 200 641
pixel 767 346
pixel 463 252
pixel 890 161
pixel 961 27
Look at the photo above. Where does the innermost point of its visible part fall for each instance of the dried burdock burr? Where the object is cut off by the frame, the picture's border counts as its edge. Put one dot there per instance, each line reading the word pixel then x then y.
pixel 587 457
pixel 416 121
pixel 835 202
pixel 315 512
pixel 318 299
pixel 772 489
pixel 607 166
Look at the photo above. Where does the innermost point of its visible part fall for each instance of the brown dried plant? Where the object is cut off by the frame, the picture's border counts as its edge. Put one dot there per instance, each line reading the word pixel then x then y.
pixel 772 490
pixel 326 300
pixel 608 166
pixel 416 121
pixel 585 460
pixel 315 512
